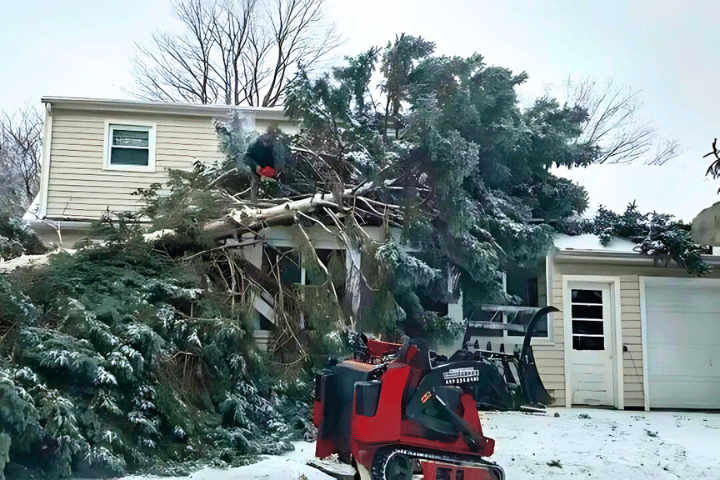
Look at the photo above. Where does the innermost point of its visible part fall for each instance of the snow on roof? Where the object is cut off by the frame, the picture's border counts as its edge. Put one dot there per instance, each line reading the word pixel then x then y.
pixel 590 242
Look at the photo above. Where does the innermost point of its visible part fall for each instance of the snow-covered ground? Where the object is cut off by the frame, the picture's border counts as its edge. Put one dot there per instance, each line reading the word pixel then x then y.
pixel 608 444
pixel 290 466
pixel 586 443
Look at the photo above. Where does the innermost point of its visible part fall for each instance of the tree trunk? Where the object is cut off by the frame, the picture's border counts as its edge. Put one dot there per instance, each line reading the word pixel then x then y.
pixel 257 218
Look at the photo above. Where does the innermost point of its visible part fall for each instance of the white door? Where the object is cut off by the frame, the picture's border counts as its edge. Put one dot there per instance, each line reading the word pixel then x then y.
pixel 682 317
pixel 591 352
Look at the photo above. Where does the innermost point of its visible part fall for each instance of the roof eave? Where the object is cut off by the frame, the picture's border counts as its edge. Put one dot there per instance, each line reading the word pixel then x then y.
pixel 133 106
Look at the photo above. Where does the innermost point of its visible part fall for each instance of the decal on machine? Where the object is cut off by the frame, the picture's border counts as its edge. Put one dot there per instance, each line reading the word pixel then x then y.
pixel 461 375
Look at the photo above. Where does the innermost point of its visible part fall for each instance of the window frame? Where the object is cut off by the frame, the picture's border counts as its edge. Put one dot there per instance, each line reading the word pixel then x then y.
pixel 549 339
pixel 600 320
pixel 133 125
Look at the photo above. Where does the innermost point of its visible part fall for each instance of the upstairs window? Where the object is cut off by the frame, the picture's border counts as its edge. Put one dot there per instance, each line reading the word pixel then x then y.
pixel 130 147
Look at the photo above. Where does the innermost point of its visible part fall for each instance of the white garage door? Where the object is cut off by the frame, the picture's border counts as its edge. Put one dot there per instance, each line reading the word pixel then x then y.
pixel 683 342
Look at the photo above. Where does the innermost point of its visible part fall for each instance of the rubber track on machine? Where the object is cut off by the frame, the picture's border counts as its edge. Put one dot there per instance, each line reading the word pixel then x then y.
pixel 378 466
pixel 379 462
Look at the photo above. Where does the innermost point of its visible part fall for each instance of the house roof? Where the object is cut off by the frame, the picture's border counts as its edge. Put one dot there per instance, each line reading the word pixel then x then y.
pixel 589 242
pixel 171 108
pixel 587 248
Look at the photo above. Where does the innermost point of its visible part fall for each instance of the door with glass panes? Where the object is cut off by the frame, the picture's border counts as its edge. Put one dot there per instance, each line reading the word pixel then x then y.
pixel 591 351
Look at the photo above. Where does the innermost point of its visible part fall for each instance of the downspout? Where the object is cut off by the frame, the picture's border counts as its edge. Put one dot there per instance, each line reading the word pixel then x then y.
pixel 45 165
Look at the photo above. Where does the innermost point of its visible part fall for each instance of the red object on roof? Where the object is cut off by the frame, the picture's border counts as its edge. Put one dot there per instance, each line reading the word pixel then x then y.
pixel 267 172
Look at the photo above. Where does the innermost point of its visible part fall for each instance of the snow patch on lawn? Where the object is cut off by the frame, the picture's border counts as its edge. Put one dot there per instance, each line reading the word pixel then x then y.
pixel 579 443
pixel 290 466
pixel 605 444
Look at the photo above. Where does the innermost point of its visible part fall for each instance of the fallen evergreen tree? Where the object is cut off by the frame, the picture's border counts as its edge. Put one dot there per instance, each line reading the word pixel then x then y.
pixel 657 235
pixel 137 354
pixel 17 239
pixel 116 359
pixel 456 165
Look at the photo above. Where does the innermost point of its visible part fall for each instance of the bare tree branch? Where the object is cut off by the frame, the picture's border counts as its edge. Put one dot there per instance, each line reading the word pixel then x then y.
pixel 178 67
pixel 613 123
pixel 714 168
pixel 20 146
pixel 241 52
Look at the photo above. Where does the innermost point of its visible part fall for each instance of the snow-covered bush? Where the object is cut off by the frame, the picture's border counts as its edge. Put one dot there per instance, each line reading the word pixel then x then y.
pixel 17 239
pixel 124 361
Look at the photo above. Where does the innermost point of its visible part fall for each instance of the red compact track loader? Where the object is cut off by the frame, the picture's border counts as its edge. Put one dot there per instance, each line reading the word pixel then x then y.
pixel 392 411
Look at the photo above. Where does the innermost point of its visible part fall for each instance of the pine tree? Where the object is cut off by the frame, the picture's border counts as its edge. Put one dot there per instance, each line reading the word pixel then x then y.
pixel 468 170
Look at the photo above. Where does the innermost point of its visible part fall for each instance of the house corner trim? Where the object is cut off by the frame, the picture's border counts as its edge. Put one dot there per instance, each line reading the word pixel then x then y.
pixel 45 162
pixel 643 340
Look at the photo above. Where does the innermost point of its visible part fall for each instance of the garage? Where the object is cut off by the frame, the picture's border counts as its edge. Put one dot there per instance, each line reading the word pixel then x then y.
pixel 682 342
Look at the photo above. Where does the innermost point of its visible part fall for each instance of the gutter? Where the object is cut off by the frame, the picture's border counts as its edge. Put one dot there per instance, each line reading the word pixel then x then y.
pixel 47 223
pixel 170 108
pixel 48 229
pixel 624 258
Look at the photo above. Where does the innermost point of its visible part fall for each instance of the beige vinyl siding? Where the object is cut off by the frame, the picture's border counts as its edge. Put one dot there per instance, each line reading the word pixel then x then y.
pixel 629 318
pixel 550 358
pixel 80 188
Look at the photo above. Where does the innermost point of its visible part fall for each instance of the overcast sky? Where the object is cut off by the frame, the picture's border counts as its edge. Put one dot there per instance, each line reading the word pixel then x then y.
pixel 666 50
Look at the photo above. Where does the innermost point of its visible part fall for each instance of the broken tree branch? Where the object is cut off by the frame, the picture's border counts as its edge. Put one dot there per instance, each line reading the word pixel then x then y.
pixel 256 218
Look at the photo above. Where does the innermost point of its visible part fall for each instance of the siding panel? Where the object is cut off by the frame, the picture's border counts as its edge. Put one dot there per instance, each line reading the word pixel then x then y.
pixel 550 358
pixel 546 363
pixel 79 187
pixel 547 353
pixel 61 176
